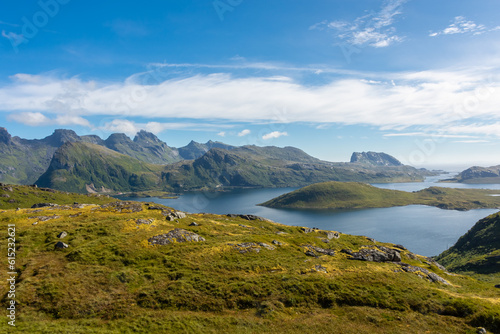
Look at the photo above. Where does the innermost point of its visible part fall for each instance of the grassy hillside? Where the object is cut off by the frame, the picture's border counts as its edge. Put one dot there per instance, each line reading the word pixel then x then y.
pixel 246 276
pixel 75 166
pixel 23 161
pixel 14 196
pixel 349 195
pixel 478 251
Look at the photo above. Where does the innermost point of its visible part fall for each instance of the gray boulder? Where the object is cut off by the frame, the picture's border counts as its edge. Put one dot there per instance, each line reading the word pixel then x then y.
pixel 432 277
pixel 171 216
pixel 142 221
pixel 176 235
pixel 332 235
pixel 378 254
pixel 43 205
pixel 320 250
pixel 61 245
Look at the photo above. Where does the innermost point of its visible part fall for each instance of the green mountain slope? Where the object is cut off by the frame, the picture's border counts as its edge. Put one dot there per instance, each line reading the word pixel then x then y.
pixel 350 195
pixel 78 166
pixel 22 161
pixel 476 251
pixel 123 267
pixel 84 167
pixel 252 166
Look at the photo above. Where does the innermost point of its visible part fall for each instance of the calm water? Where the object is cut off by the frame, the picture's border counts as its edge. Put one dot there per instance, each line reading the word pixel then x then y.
pixel 422 229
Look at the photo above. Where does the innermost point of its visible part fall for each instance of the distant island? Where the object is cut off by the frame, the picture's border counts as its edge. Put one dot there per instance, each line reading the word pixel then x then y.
pixel 355 195
pixel 482 175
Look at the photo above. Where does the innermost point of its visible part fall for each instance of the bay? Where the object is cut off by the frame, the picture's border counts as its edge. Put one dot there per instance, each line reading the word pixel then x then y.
pixel 422 229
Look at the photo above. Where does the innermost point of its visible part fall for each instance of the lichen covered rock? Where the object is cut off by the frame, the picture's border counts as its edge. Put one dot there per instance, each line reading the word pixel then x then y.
pixel 176 235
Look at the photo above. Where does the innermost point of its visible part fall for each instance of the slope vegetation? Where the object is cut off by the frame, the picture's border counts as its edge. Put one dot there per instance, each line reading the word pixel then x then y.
pixel 84 167
pixel 81 167
pixel 478 250
pixel 131 267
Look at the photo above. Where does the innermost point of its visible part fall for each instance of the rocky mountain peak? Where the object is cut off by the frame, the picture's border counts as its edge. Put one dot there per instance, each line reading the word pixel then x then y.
pixel 5 136
pixel 375 159
pixel 118 138
pixel 144 136
pixel 61 136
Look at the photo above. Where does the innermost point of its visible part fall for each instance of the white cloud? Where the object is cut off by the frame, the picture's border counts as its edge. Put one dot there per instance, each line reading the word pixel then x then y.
pixel 491 129
pixel 274 134
pixel 461 25
pixel 39 119
pixel 121 126
pixel 244 133
pixel 130 128
pixel 433 99
pixel 29 118
pixel 370 30
pixel 221 134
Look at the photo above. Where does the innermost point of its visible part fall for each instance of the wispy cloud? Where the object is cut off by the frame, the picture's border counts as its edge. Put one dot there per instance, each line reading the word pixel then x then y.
pixel 14 38
pixel 426 134
pixel 374 29
pixel 274 134
pixel 471 141
pixel 461 25
pixel 9 24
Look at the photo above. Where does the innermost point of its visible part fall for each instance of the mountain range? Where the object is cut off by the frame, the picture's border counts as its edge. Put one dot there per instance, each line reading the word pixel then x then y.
pixel 23 161
pixel 69 162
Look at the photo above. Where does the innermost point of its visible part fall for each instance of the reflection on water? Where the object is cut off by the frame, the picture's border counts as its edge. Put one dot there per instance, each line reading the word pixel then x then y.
pixel 423 230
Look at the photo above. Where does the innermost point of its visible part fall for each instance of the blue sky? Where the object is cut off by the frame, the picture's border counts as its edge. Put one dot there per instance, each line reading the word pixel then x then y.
pixel 415 79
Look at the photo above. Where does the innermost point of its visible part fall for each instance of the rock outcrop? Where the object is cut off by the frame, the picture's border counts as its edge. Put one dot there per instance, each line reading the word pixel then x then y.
pixel 374 158
pixel 375 254
pixel 176 235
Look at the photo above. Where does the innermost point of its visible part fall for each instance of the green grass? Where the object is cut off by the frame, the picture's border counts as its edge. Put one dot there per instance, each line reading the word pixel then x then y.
pixel 76 165
pixel 15 196
pixel 350 195
pixel 110 280
pixel 478 251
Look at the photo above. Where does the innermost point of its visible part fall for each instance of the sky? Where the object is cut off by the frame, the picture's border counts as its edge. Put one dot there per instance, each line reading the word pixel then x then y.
pixel 415 79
